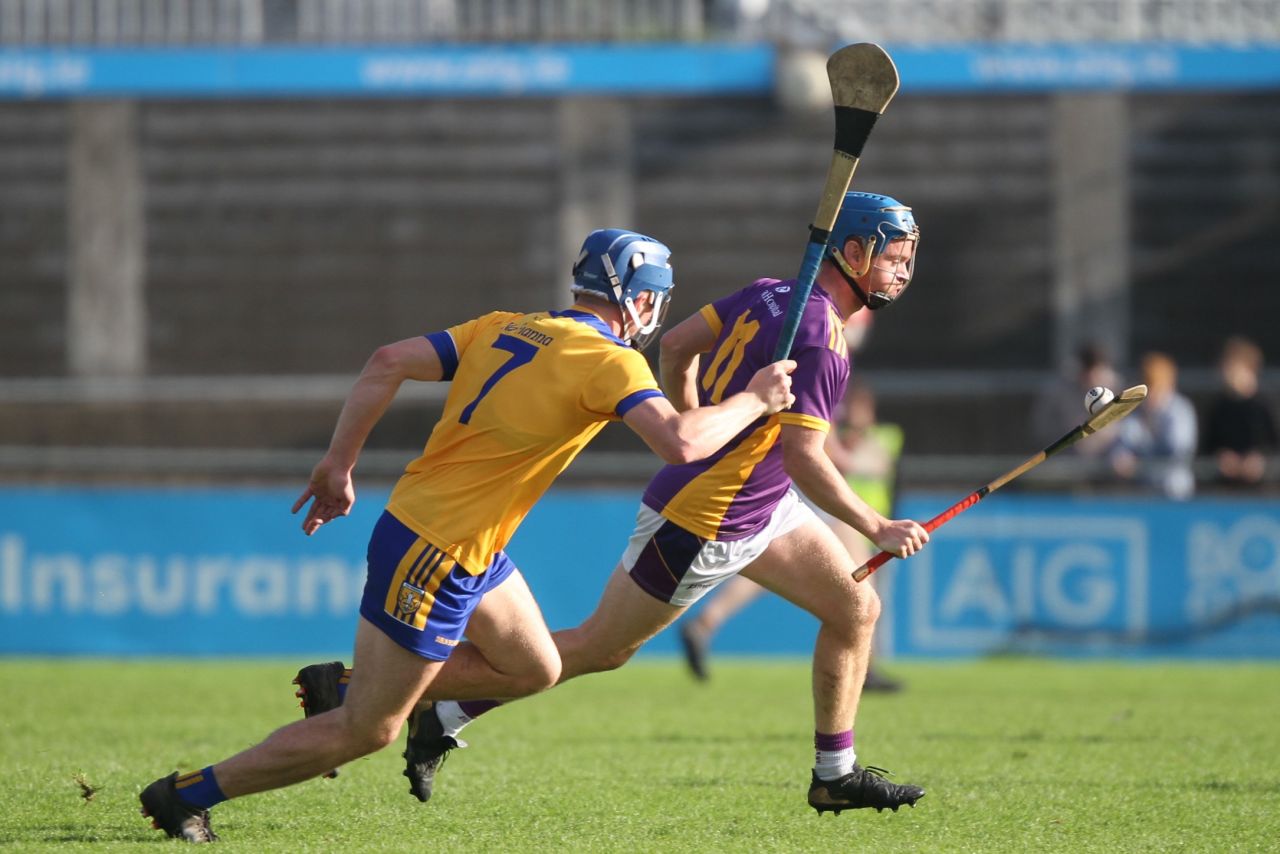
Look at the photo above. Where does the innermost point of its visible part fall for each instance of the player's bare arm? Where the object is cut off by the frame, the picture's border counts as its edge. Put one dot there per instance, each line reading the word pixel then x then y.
pixel 678 360
pixel 682 437
pixel 808 465
pixel 388 367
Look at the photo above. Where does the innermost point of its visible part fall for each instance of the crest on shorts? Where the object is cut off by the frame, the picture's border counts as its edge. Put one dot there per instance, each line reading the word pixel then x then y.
pixel 408 601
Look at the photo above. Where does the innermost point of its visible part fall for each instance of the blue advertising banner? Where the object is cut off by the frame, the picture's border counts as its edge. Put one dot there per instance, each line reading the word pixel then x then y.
pixel 498 70
pixel 227 572
pixel 1091 577
pixel 122 571
pixel 431 70
pixel 1035 68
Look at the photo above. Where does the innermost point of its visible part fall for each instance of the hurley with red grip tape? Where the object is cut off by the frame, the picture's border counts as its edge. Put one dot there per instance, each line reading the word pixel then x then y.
pixel 1124 403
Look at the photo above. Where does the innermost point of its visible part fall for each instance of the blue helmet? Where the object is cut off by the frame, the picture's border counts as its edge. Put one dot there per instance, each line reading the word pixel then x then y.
pixel 874 221
pixel 620 265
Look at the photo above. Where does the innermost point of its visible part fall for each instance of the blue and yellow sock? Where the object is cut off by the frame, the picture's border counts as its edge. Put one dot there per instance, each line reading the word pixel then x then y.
pixel 342 684
pixel 200 788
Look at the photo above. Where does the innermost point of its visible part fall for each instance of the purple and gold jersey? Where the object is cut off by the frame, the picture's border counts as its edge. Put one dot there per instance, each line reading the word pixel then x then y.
pixel 529 392
pixel 730 494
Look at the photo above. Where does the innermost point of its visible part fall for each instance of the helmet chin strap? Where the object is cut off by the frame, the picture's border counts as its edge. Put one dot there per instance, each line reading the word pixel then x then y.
pixel 873 301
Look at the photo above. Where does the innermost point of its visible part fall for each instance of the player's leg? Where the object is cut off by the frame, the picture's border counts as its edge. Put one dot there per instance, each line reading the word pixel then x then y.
pixel 385 683
pixel 809 567
pixel 696 633
pixel 498 660
pixel 413 612
pixel 663 571
pixel 731 597
pixel 624 619
pixel 860 551
pixel 509 654
pixel 383 690
pixel 509 651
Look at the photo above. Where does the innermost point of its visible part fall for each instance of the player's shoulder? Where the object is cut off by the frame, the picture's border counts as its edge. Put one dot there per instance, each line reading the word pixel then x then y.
pixel 752 293
pixel 496 318
pixel 587 330
pixel 821 326
pixel 763 298
pixel 768 288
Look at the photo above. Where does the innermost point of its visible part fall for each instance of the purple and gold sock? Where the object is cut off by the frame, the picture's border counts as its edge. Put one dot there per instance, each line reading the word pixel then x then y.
pixel 475 708
pixel 454 715
pixel 833 754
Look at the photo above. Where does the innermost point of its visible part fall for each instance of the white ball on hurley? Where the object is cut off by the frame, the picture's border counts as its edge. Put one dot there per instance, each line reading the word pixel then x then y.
pixel 1096 398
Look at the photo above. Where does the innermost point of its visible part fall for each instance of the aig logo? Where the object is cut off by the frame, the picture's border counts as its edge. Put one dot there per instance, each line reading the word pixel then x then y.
pixel 984 578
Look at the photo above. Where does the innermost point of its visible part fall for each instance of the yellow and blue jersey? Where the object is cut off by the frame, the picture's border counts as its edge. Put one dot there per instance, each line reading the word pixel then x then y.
pixel 529 392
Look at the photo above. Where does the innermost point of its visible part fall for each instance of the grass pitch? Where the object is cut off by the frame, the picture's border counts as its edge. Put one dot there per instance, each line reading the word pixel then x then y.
pixel 1016 755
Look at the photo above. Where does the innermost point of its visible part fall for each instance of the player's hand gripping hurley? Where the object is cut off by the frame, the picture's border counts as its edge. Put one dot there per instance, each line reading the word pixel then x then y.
pixel 1124 403
pixel 863 82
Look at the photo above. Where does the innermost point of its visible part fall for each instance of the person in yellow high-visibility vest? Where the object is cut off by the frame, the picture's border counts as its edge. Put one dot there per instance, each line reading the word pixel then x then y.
pixel 867 453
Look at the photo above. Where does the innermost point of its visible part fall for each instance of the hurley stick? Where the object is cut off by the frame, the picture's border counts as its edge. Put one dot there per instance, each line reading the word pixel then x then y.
pixel 863 82
pixel 1125 402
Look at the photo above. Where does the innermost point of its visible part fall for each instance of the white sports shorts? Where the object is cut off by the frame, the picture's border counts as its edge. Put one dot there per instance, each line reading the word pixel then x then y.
pixel 679 568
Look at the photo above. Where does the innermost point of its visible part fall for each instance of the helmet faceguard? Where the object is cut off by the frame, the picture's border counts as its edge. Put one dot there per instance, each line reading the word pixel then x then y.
pixel 621 266
pixel 876 222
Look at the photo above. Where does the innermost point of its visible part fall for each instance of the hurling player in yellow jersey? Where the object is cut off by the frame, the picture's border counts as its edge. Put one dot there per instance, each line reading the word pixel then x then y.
pixel 436 566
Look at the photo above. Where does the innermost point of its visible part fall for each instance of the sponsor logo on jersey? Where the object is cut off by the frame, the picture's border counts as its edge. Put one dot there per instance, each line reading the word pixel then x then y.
pixel 531 334
pixel 771 303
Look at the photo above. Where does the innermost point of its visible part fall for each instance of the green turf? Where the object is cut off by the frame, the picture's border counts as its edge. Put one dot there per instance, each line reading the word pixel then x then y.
pixel 1017 756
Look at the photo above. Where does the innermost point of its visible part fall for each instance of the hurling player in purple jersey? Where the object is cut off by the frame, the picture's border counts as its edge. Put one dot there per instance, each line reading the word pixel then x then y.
pixel 736 511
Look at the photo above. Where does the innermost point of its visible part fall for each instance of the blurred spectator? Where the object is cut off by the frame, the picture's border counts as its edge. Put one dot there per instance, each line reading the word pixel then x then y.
pixel 1157 443
pixel 1240 429
pixel 1058 407
pixel 866 453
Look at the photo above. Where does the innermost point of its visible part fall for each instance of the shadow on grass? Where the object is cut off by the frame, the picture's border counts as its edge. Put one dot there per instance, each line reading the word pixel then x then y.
pixel 72 833
pixel 1237 787
pixel 745 738
pixel 721 783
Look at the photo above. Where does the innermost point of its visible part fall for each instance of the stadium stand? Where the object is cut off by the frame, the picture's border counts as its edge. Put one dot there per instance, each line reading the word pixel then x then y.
pixel 249 22
pixel 272 225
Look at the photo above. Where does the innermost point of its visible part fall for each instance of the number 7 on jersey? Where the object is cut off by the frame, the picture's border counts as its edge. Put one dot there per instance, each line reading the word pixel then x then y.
pixel 522 353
